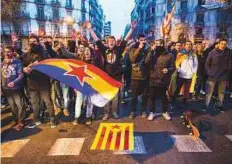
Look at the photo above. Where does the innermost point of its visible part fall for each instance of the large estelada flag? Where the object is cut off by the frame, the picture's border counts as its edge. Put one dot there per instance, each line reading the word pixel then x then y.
pixel 114 136
pixel 86 78
pixel 166 25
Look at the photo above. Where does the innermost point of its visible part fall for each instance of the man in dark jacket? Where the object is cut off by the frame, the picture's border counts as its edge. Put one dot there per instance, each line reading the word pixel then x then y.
pixel 11 80
pixel 139 75
pixel 218 65
pixel 161 64
pixel 112 54
pixel 38 83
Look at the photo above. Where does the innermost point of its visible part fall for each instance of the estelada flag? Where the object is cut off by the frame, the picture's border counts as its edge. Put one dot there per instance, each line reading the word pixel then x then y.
pixel 86 78
pixel 114 136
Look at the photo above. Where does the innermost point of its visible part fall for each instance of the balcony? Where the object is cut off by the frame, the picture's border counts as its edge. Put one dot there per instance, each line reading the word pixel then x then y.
pixel 40 17
pixel 69 6
pixel 91 12
pixel 42 2
pixel 22 15
pixel 55 3
pixel 83 9
pixel 183 11
pixel 200 9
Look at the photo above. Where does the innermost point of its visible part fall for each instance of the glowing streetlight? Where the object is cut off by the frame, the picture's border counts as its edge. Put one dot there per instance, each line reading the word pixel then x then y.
pixel 69 20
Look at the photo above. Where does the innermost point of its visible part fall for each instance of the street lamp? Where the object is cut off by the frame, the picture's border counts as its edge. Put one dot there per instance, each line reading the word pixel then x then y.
pixel 69 20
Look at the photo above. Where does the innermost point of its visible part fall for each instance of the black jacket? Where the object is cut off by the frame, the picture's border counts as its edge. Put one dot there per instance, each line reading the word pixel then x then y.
pixel 218 64
pixel 157 62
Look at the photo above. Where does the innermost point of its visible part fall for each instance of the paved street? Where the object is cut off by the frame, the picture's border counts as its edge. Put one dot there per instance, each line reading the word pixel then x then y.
pixel 159 141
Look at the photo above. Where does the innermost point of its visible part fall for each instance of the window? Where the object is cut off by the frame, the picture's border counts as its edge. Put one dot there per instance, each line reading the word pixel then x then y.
pixel 69 2
pixel 69 13
pixel 200 17
pixel 55 13
pixel 152 10
pixel 40 12
pixel 201 2
pixel 184 5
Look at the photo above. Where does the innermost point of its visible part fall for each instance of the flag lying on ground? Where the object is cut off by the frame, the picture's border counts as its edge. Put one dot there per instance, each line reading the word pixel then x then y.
pixel 114 136
pixel 166 25
pixel 86 78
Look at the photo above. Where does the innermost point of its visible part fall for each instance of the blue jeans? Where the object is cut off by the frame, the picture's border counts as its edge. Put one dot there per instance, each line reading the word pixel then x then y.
pixel 89 106
pixel 78 103
pixel 65 91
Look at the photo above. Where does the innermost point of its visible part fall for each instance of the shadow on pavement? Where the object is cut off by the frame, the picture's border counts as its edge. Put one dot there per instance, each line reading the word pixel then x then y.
pixel 155 143
pixel 12 134
pixel 6 121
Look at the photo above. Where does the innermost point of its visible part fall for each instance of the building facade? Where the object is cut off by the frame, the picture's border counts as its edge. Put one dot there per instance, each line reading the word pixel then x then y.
pixel 107 28
pixel 55 18
pixel 193 20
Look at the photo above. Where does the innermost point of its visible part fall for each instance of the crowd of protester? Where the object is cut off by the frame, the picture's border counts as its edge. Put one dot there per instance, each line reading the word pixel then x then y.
pixel 150 69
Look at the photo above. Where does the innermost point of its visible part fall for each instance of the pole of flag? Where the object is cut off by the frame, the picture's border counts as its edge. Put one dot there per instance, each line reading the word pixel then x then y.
pixel 166 25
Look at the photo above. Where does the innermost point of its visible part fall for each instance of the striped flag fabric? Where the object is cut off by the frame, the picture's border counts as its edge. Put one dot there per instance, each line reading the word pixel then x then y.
pixel 166 25
pixel 86 78
pixel 114 136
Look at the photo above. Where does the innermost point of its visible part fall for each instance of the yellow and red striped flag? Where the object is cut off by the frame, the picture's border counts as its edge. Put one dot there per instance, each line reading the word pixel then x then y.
pixel 166 25
pixel 114 136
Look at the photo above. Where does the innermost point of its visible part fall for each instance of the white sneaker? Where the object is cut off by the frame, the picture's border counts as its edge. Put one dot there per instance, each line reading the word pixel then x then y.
pixel 151 116
pixel 202 92
pixel 167 116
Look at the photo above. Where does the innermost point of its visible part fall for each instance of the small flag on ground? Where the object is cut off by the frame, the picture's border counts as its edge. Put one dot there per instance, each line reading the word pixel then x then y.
pixel 114 136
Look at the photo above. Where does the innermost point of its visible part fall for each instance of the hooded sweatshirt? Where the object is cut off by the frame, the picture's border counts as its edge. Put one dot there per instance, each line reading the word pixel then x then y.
pixel 188 67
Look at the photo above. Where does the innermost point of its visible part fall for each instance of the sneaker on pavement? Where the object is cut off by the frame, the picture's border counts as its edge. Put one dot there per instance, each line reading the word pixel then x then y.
pixel 66 112
pixel 33 124
pixel 144 115
pixel 57 111
pixel 75 121
pixel 37 123
pixel 151 116
pixel 88 121
pixel 123 102
pixel 106 117
pixel 202 92
pixel 132 115
pixel 53 124
pixel 204 109
pixel 115 115
pixel 167 116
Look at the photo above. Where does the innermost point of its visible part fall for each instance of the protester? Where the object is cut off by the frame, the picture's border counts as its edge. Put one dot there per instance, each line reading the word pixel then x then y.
pixel 201 72
pixel 39 89
pixel 161 65
pixel 11 80
pixel 186 65
pixel 218 66
pixel 139 76
pixel 112 64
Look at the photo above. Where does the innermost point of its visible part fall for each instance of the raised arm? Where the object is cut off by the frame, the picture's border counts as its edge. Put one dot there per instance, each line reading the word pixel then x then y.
pixel 133 25
pixel 92 33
